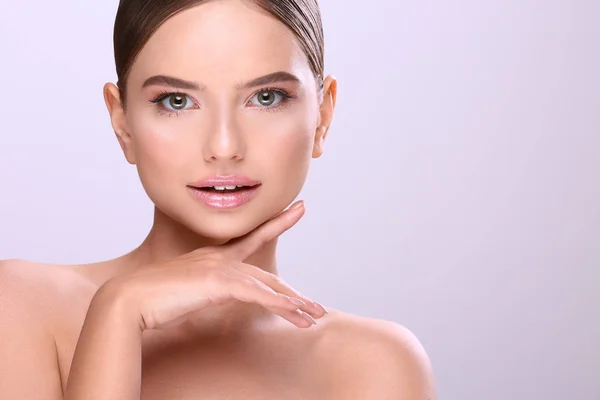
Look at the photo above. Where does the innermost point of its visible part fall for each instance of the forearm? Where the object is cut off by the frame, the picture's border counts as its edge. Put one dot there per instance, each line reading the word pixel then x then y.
pixel 107 360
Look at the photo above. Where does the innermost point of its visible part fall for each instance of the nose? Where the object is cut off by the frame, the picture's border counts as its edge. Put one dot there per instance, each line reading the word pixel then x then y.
pixel 224 144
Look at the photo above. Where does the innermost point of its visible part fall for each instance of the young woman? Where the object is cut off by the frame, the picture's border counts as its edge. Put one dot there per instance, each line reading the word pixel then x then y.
pixel 220 105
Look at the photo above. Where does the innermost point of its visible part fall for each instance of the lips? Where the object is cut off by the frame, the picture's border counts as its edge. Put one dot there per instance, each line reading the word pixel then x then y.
pixel 225 188
pixel 220 181
pixel 224 192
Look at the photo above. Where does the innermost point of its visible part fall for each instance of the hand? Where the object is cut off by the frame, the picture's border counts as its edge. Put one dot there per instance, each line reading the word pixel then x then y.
pixel 160 295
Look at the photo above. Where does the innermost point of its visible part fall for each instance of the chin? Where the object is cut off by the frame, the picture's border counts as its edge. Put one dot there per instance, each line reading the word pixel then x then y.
pixel 222 231
pixel 222 226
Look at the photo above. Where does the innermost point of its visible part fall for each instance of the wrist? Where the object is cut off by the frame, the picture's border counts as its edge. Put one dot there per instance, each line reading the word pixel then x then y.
pixel 112 304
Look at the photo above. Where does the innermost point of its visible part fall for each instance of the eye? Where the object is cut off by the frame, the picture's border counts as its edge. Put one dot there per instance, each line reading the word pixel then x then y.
pixel 270 97
pixel 176 102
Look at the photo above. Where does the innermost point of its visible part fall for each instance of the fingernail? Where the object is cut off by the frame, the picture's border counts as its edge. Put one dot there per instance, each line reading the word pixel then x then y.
pixel 308 318
pixel 296 302
pixel 321 307
pixel 298 205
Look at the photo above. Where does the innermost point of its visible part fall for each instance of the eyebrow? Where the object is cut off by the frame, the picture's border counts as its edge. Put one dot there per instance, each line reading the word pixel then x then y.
pixel 280 76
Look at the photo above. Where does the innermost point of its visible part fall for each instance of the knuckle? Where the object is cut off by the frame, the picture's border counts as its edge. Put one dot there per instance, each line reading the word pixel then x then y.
pixel 275 279
pixel 237 286
pixel 282 297
pixel 248 282
pixel 149 319
pixel 210 267
pixel 262 236
pixel 254 284
pixel 214 258
pixel 207 254
pixel 215 275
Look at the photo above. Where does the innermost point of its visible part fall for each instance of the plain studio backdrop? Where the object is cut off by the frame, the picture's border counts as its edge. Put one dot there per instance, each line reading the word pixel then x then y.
pixel 459 193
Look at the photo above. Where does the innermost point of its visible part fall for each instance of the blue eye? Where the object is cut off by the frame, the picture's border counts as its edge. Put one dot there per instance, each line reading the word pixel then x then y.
pixel 270 98
pixel 176 102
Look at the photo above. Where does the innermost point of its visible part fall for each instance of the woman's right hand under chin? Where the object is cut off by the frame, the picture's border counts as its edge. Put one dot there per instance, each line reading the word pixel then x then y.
pixel 165 294
pixel 107 359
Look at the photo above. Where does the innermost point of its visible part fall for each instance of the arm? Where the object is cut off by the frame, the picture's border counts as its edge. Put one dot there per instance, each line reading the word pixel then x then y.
pixel 28 358
pixel 108 356
pixel 107 360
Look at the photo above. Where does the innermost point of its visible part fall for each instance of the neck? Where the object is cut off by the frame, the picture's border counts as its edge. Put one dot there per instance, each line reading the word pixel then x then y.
pixel 168 239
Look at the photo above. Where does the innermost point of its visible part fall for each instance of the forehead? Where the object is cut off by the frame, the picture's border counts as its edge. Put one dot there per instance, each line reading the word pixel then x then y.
pixel 223 40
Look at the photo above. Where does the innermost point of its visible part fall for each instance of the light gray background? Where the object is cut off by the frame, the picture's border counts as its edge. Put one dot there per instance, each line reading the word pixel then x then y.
pixel 459 193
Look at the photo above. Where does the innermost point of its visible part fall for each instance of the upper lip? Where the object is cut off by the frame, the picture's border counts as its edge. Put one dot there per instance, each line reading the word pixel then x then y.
pixel 225 180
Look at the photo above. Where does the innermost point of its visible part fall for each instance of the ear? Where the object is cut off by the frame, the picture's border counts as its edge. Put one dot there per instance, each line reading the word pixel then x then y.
pixel 112 98
pixel 325 114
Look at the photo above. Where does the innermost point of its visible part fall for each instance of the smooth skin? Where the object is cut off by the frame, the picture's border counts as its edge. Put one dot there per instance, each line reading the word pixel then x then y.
pixel 198 310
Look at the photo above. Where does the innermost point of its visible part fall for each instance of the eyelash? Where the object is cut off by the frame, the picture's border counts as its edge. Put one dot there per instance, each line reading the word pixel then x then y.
pixel 161 110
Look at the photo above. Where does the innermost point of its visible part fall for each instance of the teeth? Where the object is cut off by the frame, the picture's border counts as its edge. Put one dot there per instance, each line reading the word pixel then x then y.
pixel 225 187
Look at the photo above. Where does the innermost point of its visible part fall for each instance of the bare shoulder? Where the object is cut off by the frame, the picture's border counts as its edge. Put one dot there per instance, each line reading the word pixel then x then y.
pixel 375 359
pixel 49 294
pixel 25 299
pixel 37 282
pixel 24 281
pixel 29 293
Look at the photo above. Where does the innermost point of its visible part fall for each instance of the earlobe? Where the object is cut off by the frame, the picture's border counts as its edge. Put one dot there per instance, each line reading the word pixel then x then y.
pixel 325 115
pixel 319 143
pixel 112 99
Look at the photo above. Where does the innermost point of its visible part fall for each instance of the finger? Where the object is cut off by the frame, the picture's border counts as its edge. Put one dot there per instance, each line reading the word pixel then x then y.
pixel 246 288
pixel 279 285
pixel 297 317
pixel 251 290
pixel 244 247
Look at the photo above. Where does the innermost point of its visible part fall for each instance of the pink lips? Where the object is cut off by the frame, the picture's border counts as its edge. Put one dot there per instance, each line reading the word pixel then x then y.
pixel 205 191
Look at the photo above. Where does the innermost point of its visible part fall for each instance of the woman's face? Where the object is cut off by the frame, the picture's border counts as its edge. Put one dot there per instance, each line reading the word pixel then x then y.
pixel 219 123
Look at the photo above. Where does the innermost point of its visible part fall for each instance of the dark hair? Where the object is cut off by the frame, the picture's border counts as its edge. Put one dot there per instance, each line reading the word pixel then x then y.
pixel 137 20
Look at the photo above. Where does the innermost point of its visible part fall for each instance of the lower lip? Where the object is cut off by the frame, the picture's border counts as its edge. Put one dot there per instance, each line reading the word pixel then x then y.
pixel 224 200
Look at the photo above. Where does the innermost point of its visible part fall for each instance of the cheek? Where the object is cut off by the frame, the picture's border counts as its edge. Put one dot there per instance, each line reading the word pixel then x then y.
pixel 160 150
pixel 287 154
pixel 295 148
